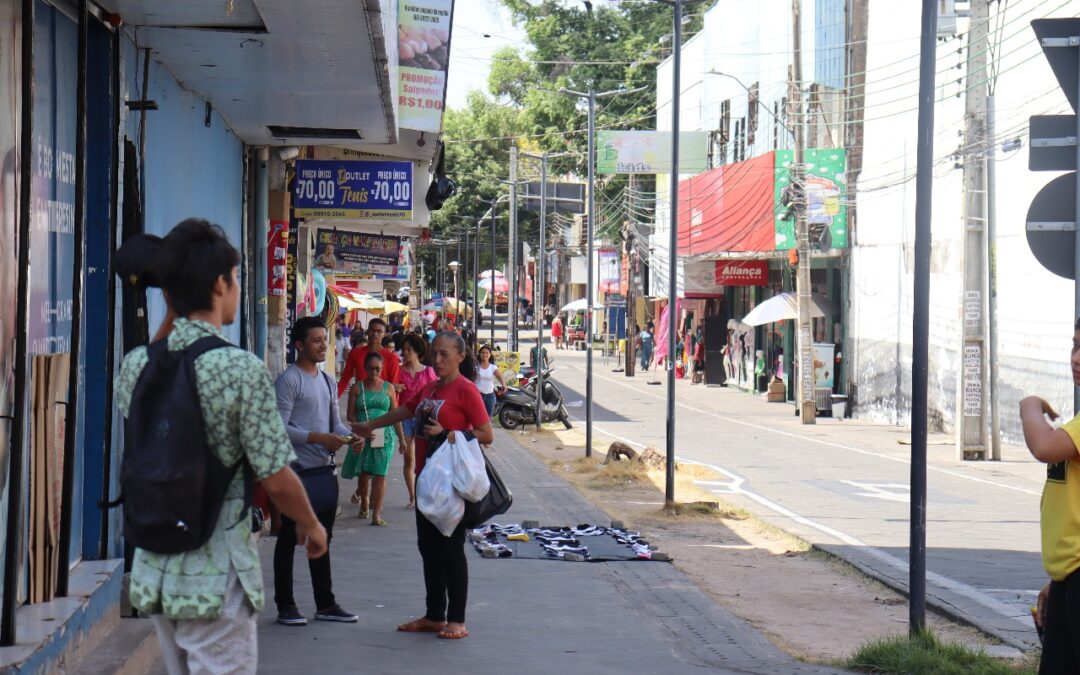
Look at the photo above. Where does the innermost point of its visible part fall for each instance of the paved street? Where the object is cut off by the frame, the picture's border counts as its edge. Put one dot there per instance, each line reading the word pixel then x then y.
pixel 525 616
pixel 842 485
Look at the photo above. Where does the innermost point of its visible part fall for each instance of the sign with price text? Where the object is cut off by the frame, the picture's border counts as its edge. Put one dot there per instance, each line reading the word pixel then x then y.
pixel 353 189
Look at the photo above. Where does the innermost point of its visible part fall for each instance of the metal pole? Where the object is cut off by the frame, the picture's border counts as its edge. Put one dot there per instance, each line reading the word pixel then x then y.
pixel 465 271
pixel 72 413
pixel 991 257
pixel 590 291
pixel 476 289
pixel 673 251
pixel 924 184
pixel 457 289
pixel 262 229
pixel 512 261
pixel 538 312
pixel 14 549
pixel 493 254
pixel 807 406
pixel 1076 251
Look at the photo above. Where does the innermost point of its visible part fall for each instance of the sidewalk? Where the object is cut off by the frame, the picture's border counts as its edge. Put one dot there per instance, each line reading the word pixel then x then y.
pixel 843 486
pixel 525 616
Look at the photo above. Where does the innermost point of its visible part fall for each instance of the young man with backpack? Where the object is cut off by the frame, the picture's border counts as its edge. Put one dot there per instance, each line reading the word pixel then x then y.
pixel 307 403
pixel 193 401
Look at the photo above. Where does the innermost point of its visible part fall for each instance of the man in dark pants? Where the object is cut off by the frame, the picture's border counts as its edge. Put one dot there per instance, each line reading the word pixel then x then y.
pixel 307 402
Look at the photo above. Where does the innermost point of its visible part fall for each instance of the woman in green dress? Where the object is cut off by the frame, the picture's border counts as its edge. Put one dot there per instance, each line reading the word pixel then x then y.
pixel 367 400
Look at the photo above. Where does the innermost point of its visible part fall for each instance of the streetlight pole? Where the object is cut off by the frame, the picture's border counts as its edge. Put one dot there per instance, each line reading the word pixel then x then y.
pixel 538 312
pixel 673 244
pixel 512 296
pixel 476 287
pixel 492 269
pixel 590 227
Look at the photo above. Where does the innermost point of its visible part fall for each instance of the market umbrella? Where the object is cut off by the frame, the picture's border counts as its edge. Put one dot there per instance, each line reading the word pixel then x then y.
pixel 786 306
pixel 488 273
pixel 455 306
pixel 578 306
pixel 500 284
pixel 391 307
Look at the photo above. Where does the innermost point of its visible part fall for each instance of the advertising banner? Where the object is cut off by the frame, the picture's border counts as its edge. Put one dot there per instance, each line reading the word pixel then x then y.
pixel 824 365
pixel 650 151
pixel 353 189
pixel 360 253
pixel 277 253
pixel 423 53
pixel 610 274
pixel 826 196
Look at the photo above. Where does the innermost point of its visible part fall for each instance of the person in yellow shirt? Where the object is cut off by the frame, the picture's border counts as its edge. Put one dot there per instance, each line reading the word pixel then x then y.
pixel 1058 610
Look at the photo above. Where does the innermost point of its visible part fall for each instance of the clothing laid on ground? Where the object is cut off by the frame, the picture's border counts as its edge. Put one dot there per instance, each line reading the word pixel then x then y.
pixel 306 403
pixel 585 542
pixel 285 553
pixel 414 384
pixel 376 461
pixel 354 368
pixel 485 378
pixel 1060 512
pixel 242 423
pixel 225 645
pixel 457 406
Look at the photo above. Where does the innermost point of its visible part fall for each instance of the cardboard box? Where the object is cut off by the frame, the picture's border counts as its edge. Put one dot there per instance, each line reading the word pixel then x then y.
pixel 777 392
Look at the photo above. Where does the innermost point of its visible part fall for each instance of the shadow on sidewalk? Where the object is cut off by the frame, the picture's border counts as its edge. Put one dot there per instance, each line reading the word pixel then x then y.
pixel 525 616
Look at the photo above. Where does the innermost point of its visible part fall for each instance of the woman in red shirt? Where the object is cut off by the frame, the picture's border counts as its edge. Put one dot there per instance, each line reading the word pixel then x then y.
pixel 450 404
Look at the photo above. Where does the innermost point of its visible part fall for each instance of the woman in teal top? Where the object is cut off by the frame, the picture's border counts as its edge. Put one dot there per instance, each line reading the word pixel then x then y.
pixel 368 400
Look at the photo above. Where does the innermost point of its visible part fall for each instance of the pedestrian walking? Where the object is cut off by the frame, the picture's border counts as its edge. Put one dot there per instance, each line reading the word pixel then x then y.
pixel 557 332
pixel 370 462
pixel 645 343
pixel 354 366
pixel 449 405
pixel 341 348
pixel 1058 608
pixel 415 375
pixel 203 602
pixel 486 376
pixel 308 406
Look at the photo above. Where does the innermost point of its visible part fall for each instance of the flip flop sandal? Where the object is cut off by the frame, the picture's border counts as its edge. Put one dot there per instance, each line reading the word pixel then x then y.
pixel 410 505
pixel 453 634
pixel 362 515
pixel 413 627
pixel 379 522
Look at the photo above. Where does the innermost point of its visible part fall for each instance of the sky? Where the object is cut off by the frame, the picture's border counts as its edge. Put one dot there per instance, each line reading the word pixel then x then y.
pixel 470 51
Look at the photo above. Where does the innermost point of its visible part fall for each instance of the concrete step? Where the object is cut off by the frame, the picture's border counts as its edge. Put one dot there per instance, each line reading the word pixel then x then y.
pixel 129 649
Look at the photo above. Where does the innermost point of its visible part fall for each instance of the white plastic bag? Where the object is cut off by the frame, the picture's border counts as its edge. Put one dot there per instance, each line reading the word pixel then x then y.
pixel 435 494
pixel 470 470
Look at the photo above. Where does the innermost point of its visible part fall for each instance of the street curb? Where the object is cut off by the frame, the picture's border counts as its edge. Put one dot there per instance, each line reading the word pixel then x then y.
pixel 939 604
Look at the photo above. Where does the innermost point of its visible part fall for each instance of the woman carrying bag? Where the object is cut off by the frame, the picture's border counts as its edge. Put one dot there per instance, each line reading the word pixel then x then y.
pixel 371 398
pixel 450 404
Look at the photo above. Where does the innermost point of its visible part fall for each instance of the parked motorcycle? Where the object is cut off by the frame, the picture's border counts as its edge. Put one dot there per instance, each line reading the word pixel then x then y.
pixel 517 406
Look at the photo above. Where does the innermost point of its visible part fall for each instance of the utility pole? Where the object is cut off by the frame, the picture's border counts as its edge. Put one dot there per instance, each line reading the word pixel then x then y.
pixel 538 312
pixel 973 381
pixel 629 234
pixel 920 339
pixel 991 279
pixel 512 260
pixel 808 407
pixel 673 253
pixel 494 201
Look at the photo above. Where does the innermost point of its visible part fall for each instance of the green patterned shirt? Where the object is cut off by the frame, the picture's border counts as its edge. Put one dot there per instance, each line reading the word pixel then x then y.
pixel 240 412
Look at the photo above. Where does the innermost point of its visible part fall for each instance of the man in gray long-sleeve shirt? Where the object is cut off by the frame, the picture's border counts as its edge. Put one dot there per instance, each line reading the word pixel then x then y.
pixel 306 401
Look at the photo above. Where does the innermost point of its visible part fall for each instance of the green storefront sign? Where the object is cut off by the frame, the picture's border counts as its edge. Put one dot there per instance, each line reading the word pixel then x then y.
pixel 826 199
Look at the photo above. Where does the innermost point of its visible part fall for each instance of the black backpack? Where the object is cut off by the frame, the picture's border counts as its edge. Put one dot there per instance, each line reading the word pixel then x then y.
pixel 172 484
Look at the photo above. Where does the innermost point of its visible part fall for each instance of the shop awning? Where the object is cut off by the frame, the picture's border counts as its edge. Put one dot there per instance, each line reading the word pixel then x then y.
pixel 729 209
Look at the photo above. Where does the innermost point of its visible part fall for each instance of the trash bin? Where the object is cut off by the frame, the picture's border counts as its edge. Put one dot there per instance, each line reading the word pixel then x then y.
pixel 839 406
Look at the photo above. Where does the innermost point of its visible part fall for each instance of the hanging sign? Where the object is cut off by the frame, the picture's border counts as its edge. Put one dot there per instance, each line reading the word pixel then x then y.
pixel 353 189
pixel 277 257
pixel 338 251
pixel 424 56
pixel 741 273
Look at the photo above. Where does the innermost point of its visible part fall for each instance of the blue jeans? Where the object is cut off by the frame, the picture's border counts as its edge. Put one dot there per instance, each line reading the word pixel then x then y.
pixel 646 355
pixel 409 426
pixel 489 402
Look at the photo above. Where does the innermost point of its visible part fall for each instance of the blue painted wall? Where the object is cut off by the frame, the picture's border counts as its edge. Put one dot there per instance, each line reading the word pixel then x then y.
pixel 53 208
pixel 191 170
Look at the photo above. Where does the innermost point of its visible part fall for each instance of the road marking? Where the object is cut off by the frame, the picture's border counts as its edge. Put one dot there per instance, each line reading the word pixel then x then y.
pixel 960 588
pixel 819 441
pixel 890 492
